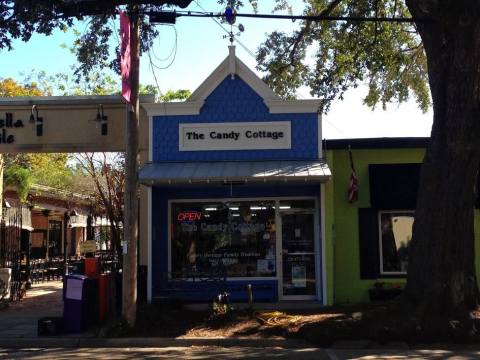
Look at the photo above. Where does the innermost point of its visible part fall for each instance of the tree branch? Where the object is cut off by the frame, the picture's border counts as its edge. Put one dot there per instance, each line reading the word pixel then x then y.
pixel 412 49
pixel 308 25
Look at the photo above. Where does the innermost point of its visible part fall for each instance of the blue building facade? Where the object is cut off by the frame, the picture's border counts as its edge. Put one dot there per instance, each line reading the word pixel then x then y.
pixel 234 101
pixel 235 192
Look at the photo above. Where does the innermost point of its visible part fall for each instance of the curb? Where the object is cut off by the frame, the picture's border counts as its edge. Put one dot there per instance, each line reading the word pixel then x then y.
pixel 67 342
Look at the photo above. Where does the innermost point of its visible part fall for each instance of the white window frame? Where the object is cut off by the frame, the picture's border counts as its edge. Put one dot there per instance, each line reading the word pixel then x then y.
pixel 379 222
pixel 317 238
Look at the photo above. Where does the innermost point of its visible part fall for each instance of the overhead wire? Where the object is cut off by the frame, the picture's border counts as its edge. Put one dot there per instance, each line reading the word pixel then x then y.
pixel 173 48
pixel 312 17
pixel 169 64
pixel 153 66
pixel 153 73
pixel 341 132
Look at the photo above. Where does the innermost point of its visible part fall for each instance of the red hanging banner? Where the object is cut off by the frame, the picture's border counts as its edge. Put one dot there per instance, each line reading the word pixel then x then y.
pixel 125 64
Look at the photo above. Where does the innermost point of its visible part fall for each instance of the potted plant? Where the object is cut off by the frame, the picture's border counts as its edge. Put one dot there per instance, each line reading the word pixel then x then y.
pixel 382 291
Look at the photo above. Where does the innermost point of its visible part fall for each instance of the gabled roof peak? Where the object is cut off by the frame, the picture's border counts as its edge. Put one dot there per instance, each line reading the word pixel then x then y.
pixel 232 66
pixel 232 60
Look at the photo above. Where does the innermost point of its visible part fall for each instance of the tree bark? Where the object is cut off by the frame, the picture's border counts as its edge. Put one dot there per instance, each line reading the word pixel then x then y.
pixel 129 280
pixel 441 280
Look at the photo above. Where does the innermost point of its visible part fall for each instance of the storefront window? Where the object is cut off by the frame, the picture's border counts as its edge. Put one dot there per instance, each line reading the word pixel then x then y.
pixel 238 238
pixel 395 237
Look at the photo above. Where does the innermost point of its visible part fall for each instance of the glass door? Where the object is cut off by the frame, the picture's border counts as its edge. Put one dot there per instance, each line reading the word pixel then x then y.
pixel 298 250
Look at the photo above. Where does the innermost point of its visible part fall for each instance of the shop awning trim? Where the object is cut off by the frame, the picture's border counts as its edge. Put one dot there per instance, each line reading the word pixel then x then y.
pixel 234 171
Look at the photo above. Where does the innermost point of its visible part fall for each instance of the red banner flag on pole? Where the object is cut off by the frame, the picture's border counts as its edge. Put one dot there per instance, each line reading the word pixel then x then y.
pixel 125 64
pixel 352 191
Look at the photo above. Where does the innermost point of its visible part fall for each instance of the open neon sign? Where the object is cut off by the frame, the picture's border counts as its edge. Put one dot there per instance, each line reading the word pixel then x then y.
pixel 189 216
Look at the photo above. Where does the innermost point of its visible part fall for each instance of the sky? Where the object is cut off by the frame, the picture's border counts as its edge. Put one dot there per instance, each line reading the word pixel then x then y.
pixel 186 53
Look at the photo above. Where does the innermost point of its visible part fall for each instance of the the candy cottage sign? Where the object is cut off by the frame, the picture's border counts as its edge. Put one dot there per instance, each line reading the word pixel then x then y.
pixel 235 136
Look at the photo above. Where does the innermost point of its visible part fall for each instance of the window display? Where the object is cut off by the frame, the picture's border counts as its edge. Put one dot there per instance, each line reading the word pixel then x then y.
pixel 238 238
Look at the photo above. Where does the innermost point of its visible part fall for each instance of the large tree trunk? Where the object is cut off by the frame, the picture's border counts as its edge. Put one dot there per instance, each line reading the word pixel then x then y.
pixel 441 276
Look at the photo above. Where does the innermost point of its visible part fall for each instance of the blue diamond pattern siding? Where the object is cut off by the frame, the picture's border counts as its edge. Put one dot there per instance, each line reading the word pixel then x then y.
pixel 234 101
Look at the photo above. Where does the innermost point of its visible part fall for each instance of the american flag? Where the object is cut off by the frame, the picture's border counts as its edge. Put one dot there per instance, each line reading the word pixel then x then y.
pixel 352 191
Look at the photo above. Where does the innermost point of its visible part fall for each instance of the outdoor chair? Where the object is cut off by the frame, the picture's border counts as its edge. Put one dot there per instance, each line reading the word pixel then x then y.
pixel 42 270
pixel 34 271
pixel 53 270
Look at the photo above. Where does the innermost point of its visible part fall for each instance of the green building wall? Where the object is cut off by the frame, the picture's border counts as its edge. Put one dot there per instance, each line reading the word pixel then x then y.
pixel 341 220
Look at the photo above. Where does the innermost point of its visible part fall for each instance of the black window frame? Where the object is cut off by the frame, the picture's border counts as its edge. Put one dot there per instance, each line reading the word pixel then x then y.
pixel 382 272
pixel 369 245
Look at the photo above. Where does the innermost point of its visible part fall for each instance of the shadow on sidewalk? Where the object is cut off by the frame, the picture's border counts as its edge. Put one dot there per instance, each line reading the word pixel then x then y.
pixel 19 319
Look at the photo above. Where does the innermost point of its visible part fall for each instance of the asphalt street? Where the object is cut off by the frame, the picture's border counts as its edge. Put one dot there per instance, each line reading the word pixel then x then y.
pixel 213 352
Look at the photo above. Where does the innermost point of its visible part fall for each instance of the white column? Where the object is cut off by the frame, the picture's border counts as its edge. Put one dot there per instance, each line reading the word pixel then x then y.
pixel 150 140
pixel 149 246
pixel 320 143
pixel 149 215
pixel 232 61
pixel 323 242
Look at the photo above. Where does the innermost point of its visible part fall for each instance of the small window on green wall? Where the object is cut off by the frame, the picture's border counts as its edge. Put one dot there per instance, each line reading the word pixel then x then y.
pixel 395 234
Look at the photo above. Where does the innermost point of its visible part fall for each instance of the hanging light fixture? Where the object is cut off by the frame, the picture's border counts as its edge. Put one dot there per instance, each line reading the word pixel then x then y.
pixel 32 116
pixel 102 119
pixel 38 121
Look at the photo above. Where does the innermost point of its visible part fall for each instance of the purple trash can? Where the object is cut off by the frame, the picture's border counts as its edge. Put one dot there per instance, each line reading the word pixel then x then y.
pixel 80 303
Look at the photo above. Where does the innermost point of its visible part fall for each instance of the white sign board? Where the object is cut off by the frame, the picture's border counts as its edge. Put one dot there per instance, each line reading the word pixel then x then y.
pixel 299 276
pixel 235 136
pixel 74 289
pixel 88 246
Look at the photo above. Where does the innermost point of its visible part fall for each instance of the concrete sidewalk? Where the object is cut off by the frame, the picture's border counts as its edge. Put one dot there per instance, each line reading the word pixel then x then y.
pixel 19 319
pixel 164 342
pixel 229 353
pixel 151 342
pixel 18 330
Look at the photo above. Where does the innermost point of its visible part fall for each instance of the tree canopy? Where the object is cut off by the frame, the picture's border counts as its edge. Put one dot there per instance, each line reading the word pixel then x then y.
pixel 22 170
pixel 330 57
pixel 10 88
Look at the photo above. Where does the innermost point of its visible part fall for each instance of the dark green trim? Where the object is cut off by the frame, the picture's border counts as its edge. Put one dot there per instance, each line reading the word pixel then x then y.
pixel 377 143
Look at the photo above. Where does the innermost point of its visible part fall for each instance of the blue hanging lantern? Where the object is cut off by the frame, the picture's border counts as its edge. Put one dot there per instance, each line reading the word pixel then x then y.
pixel 230 15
